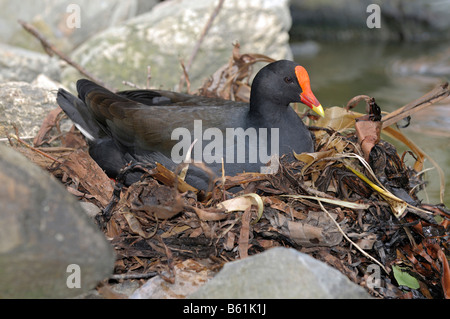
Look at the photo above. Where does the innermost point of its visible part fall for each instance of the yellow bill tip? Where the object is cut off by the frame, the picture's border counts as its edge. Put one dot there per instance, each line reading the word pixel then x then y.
pixel 319 110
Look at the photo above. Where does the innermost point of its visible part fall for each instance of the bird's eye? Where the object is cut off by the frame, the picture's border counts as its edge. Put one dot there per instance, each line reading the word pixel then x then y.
pixel 288 80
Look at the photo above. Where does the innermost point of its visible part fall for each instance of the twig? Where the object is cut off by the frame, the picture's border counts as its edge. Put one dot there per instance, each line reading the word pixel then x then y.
pixel 435 95
pixel 51 50
pixel 172 273
pixel 18 139
pixel 204 32
pixel 354 101
pixel 200 40
pixel 134 276
pixel 6 139
pixel 131 84
pixel 186 77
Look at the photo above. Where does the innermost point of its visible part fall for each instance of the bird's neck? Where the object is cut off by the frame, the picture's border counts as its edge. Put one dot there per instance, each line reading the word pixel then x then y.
pixel 266 110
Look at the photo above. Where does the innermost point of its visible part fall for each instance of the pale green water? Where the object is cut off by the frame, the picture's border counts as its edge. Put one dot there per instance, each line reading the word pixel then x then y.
pixel 394 75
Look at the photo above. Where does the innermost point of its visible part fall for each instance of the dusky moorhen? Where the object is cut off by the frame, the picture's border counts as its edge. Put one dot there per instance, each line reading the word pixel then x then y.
pixel 137 125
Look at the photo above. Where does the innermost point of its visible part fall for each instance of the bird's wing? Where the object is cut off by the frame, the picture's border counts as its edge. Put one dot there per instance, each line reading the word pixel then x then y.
pixel 150 127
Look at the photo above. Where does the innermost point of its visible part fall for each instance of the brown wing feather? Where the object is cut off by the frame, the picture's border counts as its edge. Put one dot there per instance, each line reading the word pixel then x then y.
pixel 150 127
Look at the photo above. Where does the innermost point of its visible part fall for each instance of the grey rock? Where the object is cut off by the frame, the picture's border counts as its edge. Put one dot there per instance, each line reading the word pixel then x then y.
pixel 43 230
pixel 25 105
pixel 189 276
pixel 168 33
pixel 90 209
pixel 55 19
pixel 17 64
pixel 279 273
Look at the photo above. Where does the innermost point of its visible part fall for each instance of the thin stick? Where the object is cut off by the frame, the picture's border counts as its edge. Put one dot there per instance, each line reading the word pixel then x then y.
pixel 204 32
pixel 6 139
pixel 131 84
pixel 346 237
pixel 18 139
pixel 134 276
pixel 200 41
pixel 51 50
pixel 435 95
pixel 186 77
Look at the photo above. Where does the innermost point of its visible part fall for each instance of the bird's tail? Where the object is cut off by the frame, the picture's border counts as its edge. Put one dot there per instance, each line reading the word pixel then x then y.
pixel 80 114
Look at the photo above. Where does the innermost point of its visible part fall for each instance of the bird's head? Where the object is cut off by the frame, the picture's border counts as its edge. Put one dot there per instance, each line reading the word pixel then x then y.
pixel 285 82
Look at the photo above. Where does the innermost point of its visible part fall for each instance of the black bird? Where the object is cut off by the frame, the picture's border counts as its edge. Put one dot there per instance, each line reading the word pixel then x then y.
pixel 146 125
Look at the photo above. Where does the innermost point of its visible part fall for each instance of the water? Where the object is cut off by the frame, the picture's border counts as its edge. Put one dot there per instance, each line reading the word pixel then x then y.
pixel 394 75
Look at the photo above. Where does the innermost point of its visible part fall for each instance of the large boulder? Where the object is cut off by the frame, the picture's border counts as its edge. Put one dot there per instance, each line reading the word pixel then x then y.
pixel 168 33
pixel 18 64
pixel 49 248
pixel 25 105
pixel 279 273
pixel 55 19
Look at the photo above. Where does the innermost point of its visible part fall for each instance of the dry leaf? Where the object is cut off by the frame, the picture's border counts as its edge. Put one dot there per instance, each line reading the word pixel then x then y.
pixel 368 133
pixel 175 231
pixel 312 158
pixel 135 225
pixel 210 214
pixel 337 119
pixel 316 230
pixel 242 203
pixel 49 122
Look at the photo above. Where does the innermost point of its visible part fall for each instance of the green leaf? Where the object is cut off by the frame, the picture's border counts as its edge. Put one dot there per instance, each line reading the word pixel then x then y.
pixel 405 279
